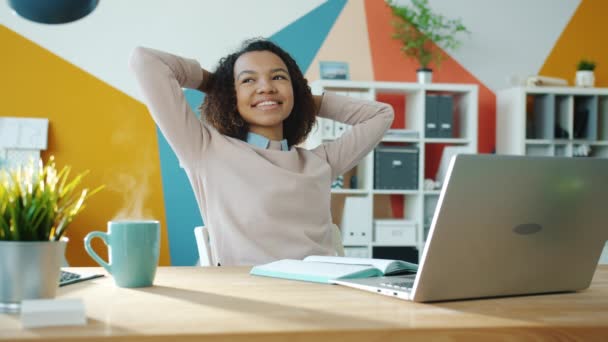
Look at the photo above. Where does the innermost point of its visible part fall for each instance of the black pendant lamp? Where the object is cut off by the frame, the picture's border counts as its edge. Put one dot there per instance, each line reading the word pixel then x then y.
pixel 53 11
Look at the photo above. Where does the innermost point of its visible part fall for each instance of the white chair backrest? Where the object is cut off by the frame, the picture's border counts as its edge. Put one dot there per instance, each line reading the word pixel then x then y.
pixel 205 252
pixel 337 240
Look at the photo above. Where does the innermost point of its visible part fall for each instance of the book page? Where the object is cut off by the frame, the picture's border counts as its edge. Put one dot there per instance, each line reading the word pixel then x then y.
pixel 386 266
pixel 321 272
pixel 381 264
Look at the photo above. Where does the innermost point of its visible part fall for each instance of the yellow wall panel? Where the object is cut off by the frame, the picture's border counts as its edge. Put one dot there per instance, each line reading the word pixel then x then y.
pixel 92 126
pixel 583 37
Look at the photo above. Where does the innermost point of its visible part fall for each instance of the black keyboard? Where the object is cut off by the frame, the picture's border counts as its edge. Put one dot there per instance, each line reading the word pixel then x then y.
pixel 68 278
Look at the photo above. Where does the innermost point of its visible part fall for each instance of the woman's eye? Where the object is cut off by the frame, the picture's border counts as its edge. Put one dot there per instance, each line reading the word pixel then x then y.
pixel 279 77
pixel 248 80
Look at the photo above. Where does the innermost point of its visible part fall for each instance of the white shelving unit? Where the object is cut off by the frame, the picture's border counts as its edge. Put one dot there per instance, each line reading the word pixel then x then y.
pixel 358 208
pixel 552 121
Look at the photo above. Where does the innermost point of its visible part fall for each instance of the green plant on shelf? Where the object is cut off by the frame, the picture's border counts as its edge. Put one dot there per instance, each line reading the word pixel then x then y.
pixel 586 65
pixel 419 29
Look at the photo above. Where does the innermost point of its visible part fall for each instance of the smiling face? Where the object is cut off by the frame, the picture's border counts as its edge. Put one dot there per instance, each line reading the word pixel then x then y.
pixel 264 92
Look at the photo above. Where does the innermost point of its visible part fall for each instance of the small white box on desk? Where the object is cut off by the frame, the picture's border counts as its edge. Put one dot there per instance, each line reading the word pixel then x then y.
pixel 402 232
pixel 52 312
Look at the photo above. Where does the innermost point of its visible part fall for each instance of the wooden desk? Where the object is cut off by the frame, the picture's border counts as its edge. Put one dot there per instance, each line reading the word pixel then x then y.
pixel 227 304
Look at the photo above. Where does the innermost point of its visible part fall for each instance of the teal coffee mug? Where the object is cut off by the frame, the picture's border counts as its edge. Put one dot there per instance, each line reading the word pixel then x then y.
pixel 133 248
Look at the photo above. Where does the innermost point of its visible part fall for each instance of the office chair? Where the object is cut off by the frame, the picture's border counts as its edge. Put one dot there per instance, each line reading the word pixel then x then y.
pixel 203 243
pixel 207 257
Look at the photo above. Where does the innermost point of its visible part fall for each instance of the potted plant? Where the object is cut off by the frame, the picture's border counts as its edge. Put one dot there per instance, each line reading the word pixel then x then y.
pixel 584 75
pixel 420 30
pixel 37 204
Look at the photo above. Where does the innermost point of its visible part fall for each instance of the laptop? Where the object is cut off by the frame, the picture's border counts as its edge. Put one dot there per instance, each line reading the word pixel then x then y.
pixel 509 225
pixel 68 278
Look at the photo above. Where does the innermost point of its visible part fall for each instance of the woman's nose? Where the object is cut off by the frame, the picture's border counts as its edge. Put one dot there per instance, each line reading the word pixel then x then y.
pixel 266 86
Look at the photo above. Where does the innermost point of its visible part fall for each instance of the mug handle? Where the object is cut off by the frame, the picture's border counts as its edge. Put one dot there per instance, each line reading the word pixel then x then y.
pixel 89 249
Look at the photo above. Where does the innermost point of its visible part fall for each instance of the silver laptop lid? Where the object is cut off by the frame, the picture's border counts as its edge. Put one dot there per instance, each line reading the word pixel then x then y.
pixel 508 225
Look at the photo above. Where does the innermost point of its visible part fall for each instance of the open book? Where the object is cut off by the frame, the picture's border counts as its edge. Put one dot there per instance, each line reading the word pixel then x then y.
pixel 324 269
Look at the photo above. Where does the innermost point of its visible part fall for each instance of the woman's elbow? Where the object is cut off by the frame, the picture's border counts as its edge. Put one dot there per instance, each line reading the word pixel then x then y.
pixel 138 57
pixel 388 113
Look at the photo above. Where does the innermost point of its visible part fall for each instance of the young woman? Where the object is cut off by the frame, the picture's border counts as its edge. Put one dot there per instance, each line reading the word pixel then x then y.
pixel 262 197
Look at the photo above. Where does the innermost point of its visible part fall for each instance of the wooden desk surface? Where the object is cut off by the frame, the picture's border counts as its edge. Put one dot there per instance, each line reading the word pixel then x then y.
pixel 227 304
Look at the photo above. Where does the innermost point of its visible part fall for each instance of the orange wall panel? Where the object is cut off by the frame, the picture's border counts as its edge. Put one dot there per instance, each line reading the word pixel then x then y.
pixel 390 64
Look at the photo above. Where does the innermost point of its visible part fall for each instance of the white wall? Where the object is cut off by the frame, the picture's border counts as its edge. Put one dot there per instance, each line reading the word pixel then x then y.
pixel 508 37
pixel 206 30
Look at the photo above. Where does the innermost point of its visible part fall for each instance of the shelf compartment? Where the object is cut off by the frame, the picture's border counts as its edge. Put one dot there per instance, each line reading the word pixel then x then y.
pixel 353 214
pixel 402 207
pixel 562 150
pixel 356 252
pixel 356 181
pixel 390 232
pixel 406 105
pixel 563 117
pixel 585 118
pixel 430 204
pixel 445 115
pixel 539 150
pixel 598 151
pixel 437 158
pixel 602 120
pixel 396 167
pixel 405 253
pixel 540 117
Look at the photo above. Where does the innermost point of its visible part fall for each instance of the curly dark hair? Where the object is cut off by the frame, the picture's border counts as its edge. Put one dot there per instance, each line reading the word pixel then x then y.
pixel 220 106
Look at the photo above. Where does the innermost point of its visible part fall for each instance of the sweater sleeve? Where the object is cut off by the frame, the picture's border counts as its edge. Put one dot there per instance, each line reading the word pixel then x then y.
pixel 369 120
pixel 161 77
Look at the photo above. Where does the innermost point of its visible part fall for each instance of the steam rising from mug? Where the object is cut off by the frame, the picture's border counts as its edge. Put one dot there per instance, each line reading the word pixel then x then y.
pixel 135 191
pixel 131 180
pixel 53 11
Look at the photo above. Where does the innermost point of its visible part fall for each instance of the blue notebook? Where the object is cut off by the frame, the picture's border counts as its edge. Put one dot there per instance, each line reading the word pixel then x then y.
pixel 324 269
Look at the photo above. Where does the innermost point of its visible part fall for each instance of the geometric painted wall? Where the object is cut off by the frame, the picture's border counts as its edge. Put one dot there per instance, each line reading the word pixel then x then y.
pixel 584 37
pixel 93 126
pixel 77 76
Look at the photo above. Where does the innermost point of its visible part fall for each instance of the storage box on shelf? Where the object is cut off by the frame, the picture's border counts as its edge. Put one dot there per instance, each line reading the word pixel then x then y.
pixel 386 211
pixel 395 232
pixel 395 168
pixel 553 121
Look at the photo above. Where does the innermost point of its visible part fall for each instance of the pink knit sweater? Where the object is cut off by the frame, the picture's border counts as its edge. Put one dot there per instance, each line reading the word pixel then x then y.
pixel 260 205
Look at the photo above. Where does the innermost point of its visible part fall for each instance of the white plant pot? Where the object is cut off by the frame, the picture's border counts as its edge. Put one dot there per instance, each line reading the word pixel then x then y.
pixel 29 270
pixel 424 75
pixel 584 78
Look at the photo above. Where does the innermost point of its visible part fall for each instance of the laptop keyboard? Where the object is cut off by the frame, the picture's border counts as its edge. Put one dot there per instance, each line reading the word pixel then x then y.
pixel 399 284
pixel 68 278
